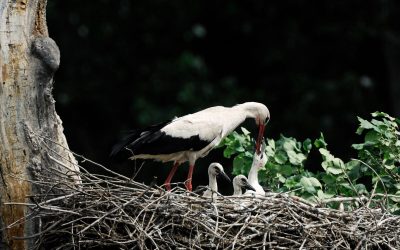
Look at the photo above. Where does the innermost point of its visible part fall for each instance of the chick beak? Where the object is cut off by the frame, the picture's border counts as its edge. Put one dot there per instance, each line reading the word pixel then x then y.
pixel 225 176
pixel 248 186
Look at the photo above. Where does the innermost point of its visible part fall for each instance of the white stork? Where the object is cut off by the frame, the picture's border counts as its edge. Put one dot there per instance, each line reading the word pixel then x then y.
pixel 214 170
pixel 259 161
pixel 239 182
pixel 192 136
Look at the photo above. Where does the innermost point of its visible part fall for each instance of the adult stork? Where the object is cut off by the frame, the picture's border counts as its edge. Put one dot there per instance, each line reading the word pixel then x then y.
pixel 192 136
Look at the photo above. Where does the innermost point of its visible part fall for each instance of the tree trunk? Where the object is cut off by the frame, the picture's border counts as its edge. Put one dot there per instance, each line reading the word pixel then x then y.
pixel 28 60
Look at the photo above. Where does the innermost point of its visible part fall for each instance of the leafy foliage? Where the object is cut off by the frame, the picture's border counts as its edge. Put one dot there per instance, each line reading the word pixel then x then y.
pixel 377 163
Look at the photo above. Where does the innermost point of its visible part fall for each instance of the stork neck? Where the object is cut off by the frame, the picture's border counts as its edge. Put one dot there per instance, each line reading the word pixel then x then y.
pixel 246 110
pixel 253 174
pixel 212 183
pixel 237 190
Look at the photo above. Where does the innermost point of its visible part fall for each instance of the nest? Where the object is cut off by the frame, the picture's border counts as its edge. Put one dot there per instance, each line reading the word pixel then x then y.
pixel 116 211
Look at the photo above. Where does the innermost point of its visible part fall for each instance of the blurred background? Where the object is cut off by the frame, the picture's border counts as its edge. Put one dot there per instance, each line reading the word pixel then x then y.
pixel 316 65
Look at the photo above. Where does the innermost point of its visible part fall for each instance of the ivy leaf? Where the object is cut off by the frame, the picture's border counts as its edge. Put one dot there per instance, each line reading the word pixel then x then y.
pixel 286 170
pixel 372 137
pixel 307 184
pixel 361 189
pixel 358 146
pixel 315 182
pixel 328 179
pixel 320 142
pixel 326 155
pixel 323 195
pixel 334 170
pixel 296 158
pixel 280 157
pixel 281 178
pixel 245 131
pixel 307 145
pixel 364 124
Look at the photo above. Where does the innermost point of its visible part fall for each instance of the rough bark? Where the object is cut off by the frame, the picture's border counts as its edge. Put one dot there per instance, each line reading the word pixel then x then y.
pixel 28 61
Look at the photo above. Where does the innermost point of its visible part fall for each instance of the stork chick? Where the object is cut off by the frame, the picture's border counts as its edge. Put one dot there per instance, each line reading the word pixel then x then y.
pixel 214 170
pixel 259 161
pixel 239 182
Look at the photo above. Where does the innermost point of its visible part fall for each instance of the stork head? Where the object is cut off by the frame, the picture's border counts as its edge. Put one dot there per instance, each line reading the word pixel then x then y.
pixel 240 181
pixel 216 169
pixel 261 115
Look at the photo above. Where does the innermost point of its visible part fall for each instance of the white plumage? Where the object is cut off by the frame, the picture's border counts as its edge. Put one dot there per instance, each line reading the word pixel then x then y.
pixel 239 182
pixel 259 161
pixel 214 170
pixel 192 136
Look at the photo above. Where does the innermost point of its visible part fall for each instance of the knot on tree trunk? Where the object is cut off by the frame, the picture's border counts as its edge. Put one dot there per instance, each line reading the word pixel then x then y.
pixel 46 49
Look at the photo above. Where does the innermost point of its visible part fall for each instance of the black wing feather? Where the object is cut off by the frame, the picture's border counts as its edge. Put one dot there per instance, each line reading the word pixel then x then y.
pixel 152 141
pixel 135 135
pixel 158 143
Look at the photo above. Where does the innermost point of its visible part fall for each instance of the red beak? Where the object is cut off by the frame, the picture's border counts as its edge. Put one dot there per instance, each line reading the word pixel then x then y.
pixel 261 129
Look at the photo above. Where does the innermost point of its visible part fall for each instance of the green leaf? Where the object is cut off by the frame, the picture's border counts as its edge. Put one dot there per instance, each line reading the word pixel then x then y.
pixel 239 149
pixel 364 124
pixel 320 142
pixel 307 184
pixel 326 155
pixel 381 114
pixel 323 195
pixel 315 182
pixel 245 131
pixel 289 145
pixel 361 189
pixel 281 178
pixel 390 167
pixel 280 157
pixel 358 146
pixel 296 158
pixel 354 170
pixel 228 152
pixel 271 143
pixel 352 164
pixel 286 170
pixel 334 170
pixel 291 182
pixel 241 165
pixel 307 145
pixel 372 137
pixel 328 179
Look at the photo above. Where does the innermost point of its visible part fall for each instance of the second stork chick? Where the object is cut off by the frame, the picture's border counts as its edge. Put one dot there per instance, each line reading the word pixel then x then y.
pixel 239 182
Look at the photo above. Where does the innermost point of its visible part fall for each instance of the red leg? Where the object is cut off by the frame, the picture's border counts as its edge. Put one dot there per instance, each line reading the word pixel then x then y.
pixel 167 182
pixel 188 182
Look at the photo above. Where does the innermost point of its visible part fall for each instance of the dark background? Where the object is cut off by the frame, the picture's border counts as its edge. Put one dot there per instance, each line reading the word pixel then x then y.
pixel 316 65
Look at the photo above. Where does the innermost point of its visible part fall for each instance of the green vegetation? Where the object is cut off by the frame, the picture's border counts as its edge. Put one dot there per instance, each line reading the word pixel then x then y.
pixel 375 172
